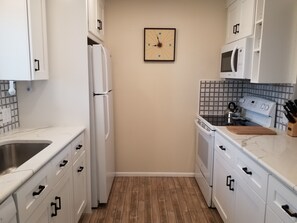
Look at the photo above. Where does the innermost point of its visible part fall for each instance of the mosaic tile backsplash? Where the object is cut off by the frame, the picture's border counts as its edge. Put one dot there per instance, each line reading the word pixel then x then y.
pixel 8 101
pixel 216 94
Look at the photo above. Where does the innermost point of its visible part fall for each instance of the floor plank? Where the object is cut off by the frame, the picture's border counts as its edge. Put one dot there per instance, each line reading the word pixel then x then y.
pixel 154 200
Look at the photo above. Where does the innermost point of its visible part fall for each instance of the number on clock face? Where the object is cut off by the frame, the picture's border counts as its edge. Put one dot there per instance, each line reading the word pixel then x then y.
pixel 159 44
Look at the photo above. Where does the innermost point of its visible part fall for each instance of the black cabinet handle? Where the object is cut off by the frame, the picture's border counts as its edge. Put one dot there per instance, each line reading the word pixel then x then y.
pixel 55 209
pixel 59 202
pixel 78 147
pixel 237 28
pixel 234 29
pixel 38 66
pixel 287 210
pixel 222 148
pixel 63 163
pixel 230 186
pixel 40 189
pixel 99 24
pixel 227 181
pixel 80 169
pixel 245 169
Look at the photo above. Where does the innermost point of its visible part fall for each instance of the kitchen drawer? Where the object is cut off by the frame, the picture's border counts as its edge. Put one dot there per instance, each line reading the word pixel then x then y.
pixel 225 148
pixel 33 192
pixel 282 200
pixel 77 146
pixel 79 186
pixel 252 173
pixel 61 163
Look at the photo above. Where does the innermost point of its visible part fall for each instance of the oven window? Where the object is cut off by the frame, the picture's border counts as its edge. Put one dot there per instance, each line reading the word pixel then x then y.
pixel 203 150
pixel 226 61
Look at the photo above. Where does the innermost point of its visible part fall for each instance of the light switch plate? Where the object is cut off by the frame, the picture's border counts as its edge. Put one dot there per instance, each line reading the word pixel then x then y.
pixel 6 115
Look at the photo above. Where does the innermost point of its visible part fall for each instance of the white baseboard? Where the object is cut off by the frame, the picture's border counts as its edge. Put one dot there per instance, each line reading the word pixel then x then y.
pixel 154 174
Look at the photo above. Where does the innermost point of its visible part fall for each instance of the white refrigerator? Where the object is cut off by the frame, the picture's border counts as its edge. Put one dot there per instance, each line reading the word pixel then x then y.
pixel 101 124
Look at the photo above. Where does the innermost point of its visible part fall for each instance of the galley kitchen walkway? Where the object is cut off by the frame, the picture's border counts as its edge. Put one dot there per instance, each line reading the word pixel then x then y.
pixel 154 199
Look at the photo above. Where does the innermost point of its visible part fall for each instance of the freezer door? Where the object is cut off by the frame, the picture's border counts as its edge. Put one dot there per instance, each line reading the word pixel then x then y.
pixel 104 144
pixel 102 82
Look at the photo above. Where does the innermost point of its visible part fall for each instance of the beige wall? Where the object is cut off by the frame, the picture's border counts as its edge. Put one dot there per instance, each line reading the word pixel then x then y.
pixel 155 103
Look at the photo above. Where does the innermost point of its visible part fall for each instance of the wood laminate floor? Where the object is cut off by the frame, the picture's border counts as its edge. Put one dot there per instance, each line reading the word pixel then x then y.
pixel 154 199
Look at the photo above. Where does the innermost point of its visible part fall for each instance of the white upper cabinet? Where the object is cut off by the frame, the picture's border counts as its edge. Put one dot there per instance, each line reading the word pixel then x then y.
pixel 23 40
pixel 275 42
pixel 96 19
pixel 240 19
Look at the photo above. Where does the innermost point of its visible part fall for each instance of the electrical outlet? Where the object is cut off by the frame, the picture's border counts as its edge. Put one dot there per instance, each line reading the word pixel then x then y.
pixel 6 115
pixel 283 119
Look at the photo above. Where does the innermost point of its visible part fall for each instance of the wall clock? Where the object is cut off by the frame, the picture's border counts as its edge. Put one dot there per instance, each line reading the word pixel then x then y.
pixel 159 44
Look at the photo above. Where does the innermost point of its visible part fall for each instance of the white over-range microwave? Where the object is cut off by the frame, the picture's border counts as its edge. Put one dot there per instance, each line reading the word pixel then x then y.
pixel 236 59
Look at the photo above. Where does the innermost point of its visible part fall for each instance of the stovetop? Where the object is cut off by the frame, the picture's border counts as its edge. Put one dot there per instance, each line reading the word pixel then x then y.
pixel 222 120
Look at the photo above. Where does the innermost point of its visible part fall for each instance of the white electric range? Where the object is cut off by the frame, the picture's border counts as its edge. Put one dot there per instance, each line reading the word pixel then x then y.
pixel 254 111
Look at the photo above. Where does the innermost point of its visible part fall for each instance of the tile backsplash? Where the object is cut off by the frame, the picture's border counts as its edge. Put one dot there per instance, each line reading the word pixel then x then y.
pixel 8 101
pixel 215 95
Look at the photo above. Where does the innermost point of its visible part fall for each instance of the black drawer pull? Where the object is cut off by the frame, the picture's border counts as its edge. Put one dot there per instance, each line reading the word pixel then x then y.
pixel 78 147
pixel 80 169
pixel 245 169
pixel 237 28
pixel 230 187
pixel 99 24
pixel 59 202
pixel 287 210
pixel 38 65
pixel 222 148
pixel 234 29
pixel 63 163
pixel 227 181
pixel 55 209
pixel 40 189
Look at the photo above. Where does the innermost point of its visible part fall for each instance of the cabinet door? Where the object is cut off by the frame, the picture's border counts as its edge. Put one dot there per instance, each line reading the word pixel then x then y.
pixel 41 214
pixel 249 207
pixel 14 53
pixel 282 200
pixel 62 200
pixel 24 46
pixel 96 18
pixel 240 20
pixel 233 21
pixel 79 186
pixel 247 15
pixel 38 39
pixel 271 217
pixel 223 196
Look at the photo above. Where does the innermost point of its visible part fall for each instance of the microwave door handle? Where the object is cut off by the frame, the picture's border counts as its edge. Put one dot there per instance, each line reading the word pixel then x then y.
pixel 232 59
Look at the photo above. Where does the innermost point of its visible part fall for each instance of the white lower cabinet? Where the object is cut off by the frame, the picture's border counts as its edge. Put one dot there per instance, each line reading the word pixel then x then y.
pixel 79 186
pixel 57 192
pixel 281 203
pixel 223 196
pixel 248 206
pixel 271 217
pixel 233 193
pixel 57 207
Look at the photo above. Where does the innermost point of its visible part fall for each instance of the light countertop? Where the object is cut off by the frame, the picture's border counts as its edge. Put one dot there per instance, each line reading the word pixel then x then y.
pixel 59 138
pixel 276 153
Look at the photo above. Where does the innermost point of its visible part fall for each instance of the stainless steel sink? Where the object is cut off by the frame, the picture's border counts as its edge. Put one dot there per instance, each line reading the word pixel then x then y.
pixel 12 155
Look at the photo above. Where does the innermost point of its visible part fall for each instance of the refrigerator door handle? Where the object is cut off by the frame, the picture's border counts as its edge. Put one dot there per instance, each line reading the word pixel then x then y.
pixel 106 67
pixel 107 116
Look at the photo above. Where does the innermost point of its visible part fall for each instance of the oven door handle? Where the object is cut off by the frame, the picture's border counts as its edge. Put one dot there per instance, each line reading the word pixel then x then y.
pixel 209 133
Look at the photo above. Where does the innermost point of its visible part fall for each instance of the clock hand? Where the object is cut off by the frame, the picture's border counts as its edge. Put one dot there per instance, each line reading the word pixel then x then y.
pixel 159 43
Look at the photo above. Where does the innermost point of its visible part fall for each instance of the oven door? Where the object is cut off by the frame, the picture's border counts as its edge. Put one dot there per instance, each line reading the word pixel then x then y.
pixel 204 160
pixel 205 151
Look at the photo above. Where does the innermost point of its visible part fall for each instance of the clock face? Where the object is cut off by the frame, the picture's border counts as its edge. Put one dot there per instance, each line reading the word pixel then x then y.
pixel 159 44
